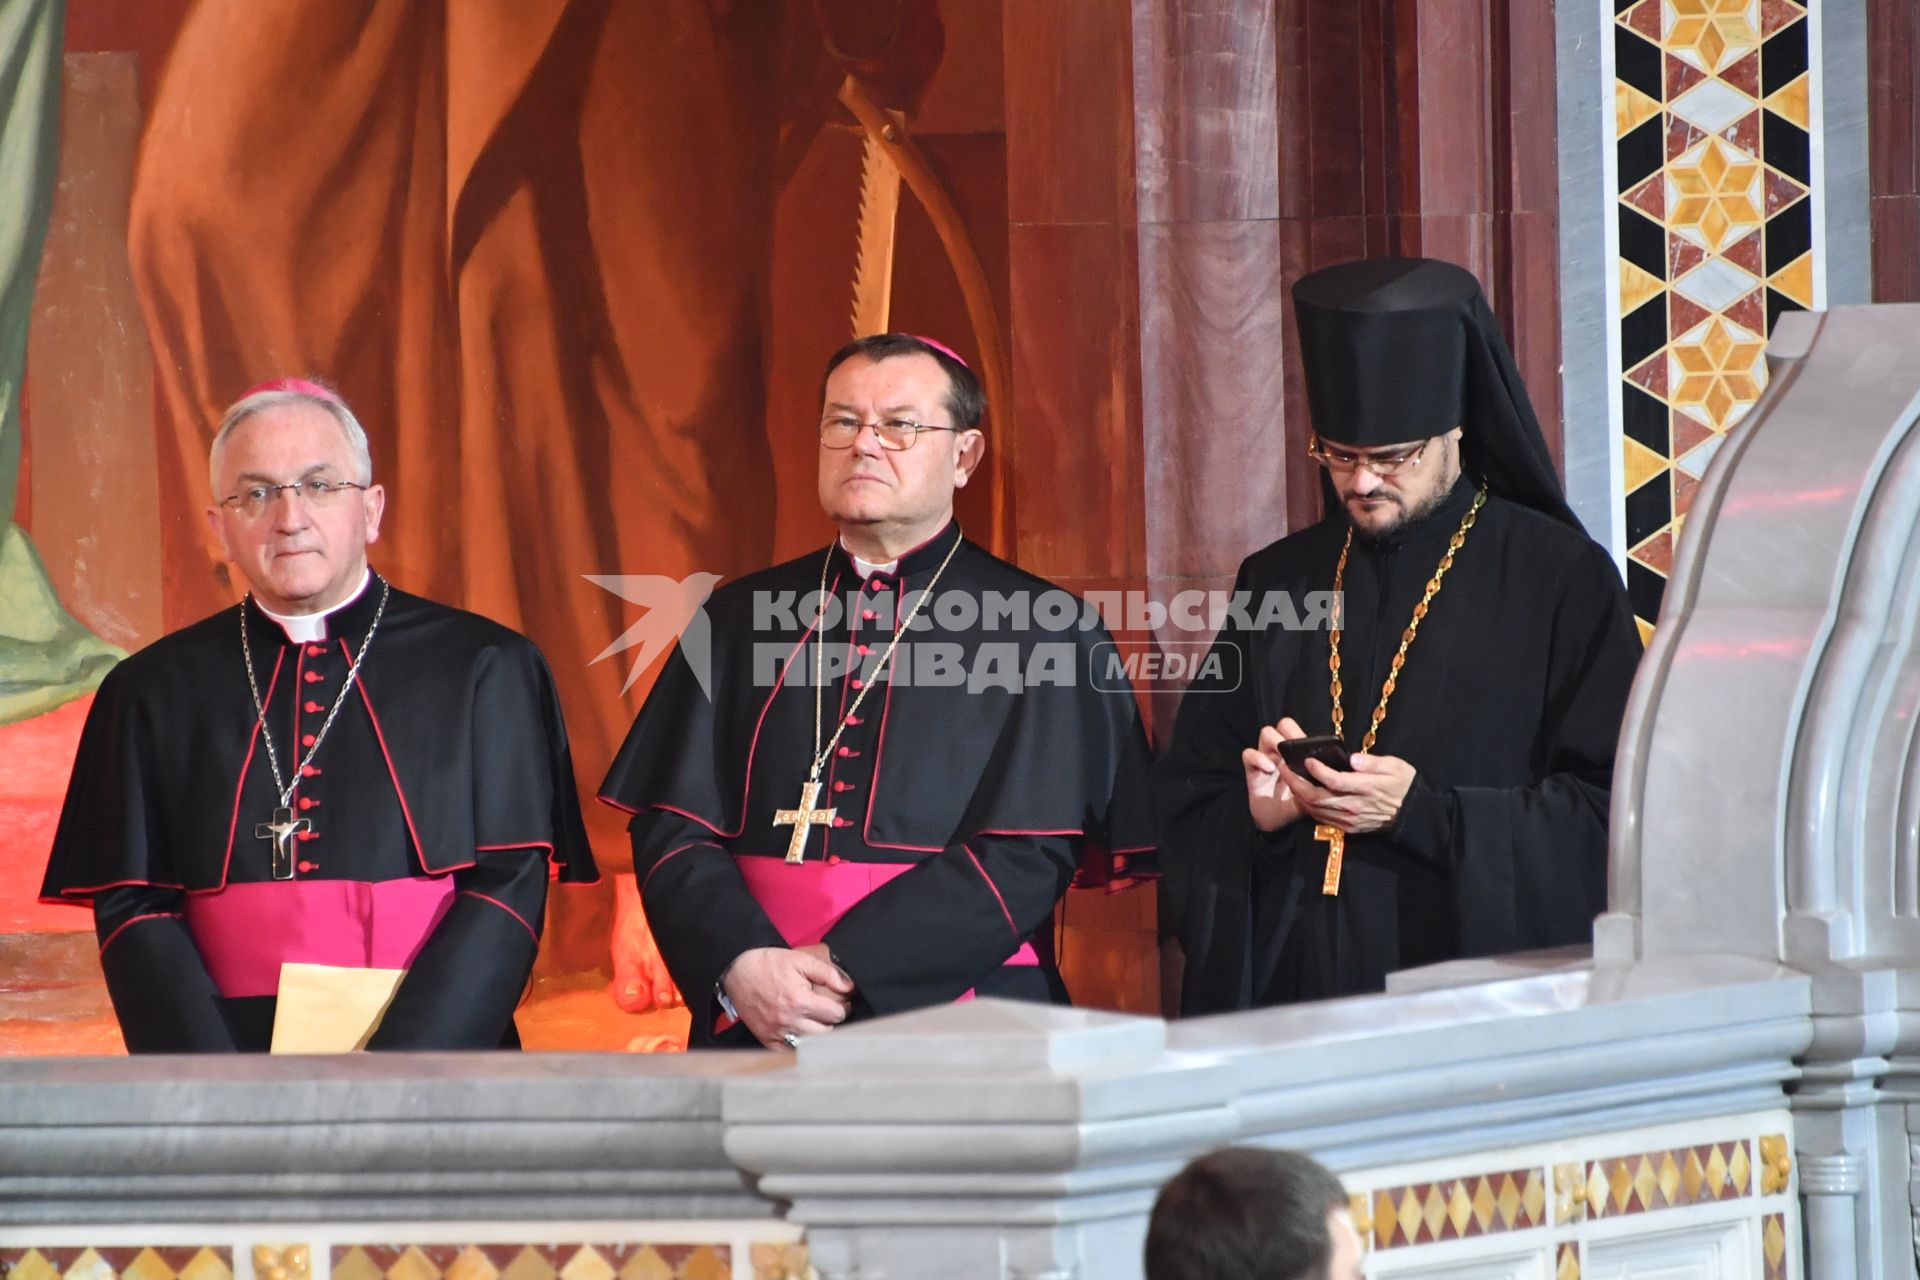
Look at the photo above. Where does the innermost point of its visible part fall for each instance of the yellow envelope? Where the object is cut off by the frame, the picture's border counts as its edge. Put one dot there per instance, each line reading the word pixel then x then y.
pixel 326 1008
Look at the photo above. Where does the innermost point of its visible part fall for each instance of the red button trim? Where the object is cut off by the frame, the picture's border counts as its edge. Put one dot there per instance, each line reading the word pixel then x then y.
pixel 314 708
pixel 309 771
pixel 306 739
pixel 314 677
pixel 855 720
pixel 833 859
pixel 842 786
pixel 843 822
pixel 314 651
pixel 862 650
pixel 846 752
pixel 307 802
pixel 858 683
pixel 308 835
pixel 868 615
pixel 309 866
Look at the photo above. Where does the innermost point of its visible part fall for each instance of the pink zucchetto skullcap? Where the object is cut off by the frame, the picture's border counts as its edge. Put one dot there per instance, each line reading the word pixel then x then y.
pixel 942 348
pixel 302 386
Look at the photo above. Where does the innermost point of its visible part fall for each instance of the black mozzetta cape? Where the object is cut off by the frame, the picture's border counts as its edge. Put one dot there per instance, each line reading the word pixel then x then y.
pixel 989 796
pixel 448 763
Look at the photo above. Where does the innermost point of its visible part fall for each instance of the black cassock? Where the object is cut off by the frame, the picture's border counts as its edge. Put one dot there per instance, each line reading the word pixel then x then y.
pixel 1509 707
pixel 963 806
pixel 437 805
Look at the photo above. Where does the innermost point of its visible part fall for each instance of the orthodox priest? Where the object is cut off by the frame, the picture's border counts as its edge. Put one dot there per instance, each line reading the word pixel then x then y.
pixel 1477 671
pixel 332 772
pixel 874 804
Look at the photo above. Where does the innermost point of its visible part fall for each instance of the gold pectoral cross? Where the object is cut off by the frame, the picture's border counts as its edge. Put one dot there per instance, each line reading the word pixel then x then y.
pixel 281 831
pixel 1336 842
pixel 802 820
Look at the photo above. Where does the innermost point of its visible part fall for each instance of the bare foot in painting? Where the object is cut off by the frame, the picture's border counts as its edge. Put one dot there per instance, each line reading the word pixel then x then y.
pixel 640 980
pixel 657 1044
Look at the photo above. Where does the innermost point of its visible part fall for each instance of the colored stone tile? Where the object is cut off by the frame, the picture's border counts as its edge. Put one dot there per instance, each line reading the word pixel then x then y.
pixel 1645 19
pixel 1796 280
pixel 1637 287
pixel 1567 1265
pixel 1711 105
pixel 1715 284
pixel 1683 315
pixel 1744 75
pixel 1781 192
pixel 1650 197
pixel 1683 255
pixel 1684 489
pixel 1657 554
pixel 1681 137
pixel 1631 109
pixel 1681 76
pixel 1791 102
pixel 1773 1245
pixel 1775 15
pixel 1744 134
pixel 1651 374
pixel 1640 463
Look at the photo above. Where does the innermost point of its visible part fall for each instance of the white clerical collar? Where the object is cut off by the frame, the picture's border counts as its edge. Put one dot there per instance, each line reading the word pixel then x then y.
pixel 304 628
pixel 867 568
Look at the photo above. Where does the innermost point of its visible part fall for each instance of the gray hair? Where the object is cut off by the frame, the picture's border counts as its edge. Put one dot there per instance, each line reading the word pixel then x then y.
pixel 275 396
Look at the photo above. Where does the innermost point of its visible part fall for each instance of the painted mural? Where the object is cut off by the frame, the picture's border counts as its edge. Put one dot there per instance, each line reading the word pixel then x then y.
pixel 575 263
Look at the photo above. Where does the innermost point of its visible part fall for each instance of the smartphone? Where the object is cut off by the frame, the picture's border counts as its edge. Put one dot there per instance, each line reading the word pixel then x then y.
pixel 1324 747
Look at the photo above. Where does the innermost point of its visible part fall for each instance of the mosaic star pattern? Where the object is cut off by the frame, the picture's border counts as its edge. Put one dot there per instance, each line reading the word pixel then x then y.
pixel 1712 120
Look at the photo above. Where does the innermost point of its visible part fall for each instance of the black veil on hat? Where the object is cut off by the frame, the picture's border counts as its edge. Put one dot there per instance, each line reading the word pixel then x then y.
pixel 1403 349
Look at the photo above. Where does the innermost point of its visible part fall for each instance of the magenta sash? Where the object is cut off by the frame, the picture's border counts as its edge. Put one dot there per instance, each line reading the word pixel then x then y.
pixel 805 899
pixel 246 931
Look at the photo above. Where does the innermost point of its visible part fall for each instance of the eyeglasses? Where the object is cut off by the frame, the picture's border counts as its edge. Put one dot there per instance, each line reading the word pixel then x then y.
pixel 840 431
pixel 1381 464
pixel 253 501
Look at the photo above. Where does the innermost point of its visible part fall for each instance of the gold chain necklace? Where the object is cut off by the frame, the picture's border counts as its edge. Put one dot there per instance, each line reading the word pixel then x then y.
pixel 1334 837
pixel 803 818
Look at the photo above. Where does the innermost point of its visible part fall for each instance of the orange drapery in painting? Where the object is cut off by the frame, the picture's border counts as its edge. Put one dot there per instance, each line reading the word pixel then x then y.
pixel 529 242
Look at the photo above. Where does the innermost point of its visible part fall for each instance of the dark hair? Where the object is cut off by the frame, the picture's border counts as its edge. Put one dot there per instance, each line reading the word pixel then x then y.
pixel 1245 1213
pixel 966 398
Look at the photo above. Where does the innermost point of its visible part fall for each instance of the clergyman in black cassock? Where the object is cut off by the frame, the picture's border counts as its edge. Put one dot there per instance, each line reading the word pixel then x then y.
pixel 1476 820
pixel 964 791
pixel 407 815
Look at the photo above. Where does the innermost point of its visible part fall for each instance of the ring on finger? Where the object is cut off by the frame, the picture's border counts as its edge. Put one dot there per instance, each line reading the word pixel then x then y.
pixel 793 1041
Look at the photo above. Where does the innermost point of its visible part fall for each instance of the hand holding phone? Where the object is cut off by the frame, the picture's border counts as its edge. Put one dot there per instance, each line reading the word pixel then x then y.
pixel 1324 747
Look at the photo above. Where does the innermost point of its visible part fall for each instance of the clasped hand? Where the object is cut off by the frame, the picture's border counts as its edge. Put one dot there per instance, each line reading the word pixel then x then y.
pixel 1368 798
pixel 779 992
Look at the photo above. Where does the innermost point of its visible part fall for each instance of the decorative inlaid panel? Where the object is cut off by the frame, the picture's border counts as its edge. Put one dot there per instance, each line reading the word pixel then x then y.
pixel 1426 1212
pixel 534 1262
pixel 172 1262
pixel 1773 1245
pixel 1715 164
pixel 1668 1179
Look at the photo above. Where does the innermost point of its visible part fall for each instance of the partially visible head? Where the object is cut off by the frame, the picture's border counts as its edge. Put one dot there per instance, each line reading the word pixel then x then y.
pixel 887 500
pixel 1245 1213
pixel 301 551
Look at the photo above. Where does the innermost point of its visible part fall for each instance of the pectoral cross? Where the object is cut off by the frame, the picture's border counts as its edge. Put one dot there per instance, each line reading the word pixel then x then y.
pixel 1336 842
pixel 281 831
pixel 803 819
